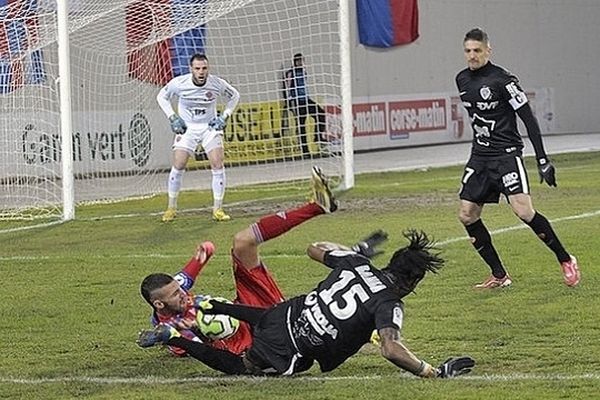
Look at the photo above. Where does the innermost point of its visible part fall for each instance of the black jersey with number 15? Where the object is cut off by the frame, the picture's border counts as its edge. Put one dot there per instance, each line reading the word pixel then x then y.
pixel 491 95
pixel 332 322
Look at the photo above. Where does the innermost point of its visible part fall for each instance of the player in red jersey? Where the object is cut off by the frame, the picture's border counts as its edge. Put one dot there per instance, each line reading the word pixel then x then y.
pixel 173 303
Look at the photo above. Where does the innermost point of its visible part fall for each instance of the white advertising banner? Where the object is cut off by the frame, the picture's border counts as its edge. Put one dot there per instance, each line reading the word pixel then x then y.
pixel 103 142
pixel 119 142
pixel 381 122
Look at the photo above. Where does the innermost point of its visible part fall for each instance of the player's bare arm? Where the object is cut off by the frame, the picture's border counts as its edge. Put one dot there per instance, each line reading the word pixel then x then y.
pixel 393 350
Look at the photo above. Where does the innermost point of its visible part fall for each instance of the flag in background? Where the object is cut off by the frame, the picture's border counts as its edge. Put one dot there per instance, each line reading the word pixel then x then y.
pixel 387 23
pixel 19 63
pixel 159 62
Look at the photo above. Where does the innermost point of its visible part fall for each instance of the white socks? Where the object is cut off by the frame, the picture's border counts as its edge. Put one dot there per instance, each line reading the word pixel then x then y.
pixel 174 185
pixel 218 187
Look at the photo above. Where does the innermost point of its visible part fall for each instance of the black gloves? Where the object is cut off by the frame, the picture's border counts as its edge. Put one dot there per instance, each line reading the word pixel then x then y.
pixel 546 171
pixel 455 366
pixel 368 246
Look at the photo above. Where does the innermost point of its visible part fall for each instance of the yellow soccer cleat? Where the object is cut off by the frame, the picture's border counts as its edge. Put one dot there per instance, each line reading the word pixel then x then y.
pixel 169 215
pixel 321 193
pixel 220 216
pixel 375 339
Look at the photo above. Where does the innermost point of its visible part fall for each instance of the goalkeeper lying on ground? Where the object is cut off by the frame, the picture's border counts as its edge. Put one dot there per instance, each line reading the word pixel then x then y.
pixel 333 321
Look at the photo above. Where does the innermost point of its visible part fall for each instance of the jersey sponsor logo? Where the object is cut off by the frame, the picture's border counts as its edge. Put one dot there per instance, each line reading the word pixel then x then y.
pixel 485 93
pixel 197 111
pixel 484 105
pixel 483 129
pixel 316 318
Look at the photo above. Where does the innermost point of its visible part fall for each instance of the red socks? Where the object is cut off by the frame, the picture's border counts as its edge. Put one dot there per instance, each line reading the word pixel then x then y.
pixel 274 225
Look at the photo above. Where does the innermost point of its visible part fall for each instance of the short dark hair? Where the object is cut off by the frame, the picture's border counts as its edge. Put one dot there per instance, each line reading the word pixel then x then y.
pixel 297 56
pixel 409 264
pixel 154 282
pixel 198 57
pixel 478 35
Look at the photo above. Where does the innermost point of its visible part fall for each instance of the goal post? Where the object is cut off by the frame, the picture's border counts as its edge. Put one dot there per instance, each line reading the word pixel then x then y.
pixel 121 53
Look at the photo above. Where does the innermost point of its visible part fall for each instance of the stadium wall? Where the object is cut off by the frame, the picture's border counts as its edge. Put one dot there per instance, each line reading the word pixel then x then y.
pixel 549 44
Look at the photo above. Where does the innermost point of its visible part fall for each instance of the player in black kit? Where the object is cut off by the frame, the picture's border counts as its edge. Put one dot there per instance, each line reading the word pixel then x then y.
pixel 334 320
pixel 493 98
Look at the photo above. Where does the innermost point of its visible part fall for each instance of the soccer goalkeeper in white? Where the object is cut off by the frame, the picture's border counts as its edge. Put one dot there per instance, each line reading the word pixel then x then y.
pixel 196 122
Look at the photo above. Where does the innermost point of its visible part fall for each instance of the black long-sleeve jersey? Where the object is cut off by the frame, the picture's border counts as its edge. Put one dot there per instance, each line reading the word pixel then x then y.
pixel 492 96
pixel 336 319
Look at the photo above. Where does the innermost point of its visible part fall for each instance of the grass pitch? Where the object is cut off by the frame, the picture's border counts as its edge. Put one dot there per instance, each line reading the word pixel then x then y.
pixel 71 307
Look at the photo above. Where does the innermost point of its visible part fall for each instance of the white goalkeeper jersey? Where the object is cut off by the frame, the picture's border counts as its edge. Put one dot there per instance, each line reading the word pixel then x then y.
pixel 197 104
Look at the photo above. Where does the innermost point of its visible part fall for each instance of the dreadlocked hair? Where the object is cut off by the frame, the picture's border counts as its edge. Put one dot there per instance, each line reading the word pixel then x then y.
pixel 409 264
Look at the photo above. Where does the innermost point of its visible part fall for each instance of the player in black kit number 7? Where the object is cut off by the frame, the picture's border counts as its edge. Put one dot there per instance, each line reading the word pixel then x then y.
pixel 493 98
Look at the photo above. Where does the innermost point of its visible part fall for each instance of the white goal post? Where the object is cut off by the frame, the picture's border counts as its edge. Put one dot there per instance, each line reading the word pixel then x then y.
pixel 79 120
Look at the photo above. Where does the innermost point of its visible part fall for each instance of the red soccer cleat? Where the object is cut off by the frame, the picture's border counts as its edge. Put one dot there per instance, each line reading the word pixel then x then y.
pixel 492 282
pixel 570 271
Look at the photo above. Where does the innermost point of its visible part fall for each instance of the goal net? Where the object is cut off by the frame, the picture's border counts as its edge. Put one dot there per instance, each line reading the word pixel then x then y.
pixel 121 54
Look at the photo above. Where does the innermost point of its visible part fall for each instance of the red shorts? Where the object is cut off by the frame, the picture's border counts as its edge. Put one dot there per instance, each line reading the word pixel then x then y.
pixel 255 287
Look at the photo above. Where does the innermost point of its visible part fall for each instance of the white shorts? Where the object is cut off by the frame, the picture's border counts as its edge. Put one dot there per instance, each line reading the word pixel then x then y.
pixel 199 134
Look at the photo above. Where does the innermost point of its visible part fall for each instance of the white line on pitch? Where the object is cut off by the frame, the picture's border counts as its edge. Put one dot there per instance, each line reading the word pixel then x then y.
pixel 166 256
pixel 524 226
pixel 233 379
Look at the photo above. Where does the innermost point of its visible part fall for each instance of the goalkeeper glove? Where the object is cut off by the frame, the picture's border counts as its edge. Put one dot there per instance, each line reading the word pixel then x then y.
pixel 218 123
pixel 202 303
pixel 178 125
pixel 546 171
pixel 455 366
pixel 368 246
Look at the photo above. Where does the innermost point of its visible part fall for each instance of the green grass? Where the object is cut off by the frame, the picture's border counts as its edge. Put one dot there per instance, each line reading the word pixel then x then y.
pixel 71 307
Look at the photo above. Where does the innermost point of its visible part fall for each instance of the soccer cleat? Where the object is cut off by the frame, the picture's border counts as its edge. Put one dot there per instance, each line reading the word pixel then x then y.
pixel 321 193
pixel 160 334
pixel 570 271
pixel 169 215
pixel 375 338
pixel 220 216
pixel 492 282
